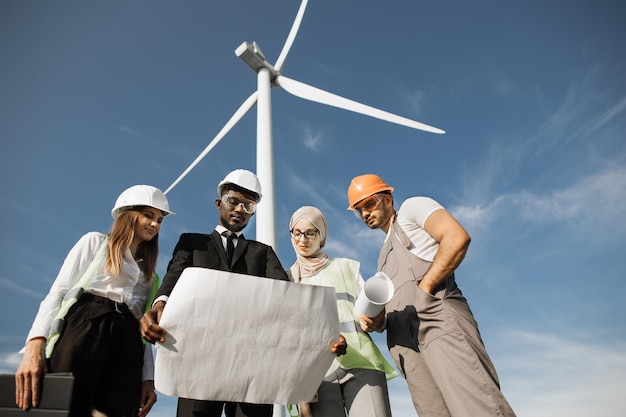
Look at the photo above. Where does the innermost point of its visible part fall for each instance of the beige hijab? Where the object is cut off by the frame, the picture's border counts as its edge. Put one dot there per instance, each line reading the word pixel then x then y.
pixel 309 266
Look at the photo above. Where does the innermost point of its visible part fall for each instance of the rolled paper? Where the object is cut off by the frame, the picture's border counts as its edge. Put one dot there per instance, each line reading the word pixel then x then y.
pixel 377 292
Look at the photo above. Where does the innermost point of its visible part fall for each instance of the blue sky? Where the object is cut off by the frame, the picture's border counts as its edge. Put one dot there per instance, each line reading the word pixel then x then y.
pixel 98 96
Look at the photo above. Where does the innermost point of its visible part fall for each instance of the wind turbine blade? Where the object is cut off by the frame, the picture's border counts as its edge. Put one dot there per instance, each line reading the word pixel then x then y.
pixel 308 92
pixel 280 62
pixel 241 111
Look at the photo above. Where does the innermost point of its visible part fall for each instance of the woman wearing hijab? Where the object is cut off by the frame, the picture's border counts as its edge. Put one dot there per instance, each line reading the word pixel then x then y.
pixel 356 383
pixel 88 323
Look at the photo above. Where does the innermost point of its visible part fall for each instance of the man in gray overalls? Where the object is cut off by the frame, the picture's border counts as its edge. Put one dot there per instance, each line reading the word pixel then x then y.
pixel 431 333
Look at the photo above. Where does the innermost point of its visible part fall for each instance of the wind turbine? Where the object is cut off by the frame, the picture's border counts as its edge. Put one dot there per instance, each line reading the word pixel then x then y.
pixel 270 76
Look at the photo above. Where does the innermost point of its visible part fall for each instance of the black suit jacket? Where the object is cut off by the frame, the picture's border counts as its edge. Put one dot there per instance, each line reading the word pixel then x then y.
pixel 207 251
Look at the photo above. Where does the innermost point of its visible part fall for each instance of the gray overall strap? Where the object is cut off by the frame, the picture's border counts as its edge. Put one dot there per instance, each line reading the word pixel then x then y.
pixel 397 261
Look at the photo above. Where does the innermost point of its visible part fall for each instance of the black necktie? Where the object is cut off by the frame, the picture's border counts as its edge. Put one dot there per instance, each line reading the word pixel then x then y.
pixel 230 245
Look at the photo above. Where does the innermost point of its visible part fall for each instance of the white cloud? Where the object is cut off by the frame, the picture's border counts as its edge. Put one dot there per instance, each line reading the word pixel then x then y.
pixel 132 132
pixel 416 100
pixel 546 375
pixel 504 85
pixel 602 119
pixel 303 186
pixel 599 197
pixel 312 140
pixel 12 286
pixel 584 121
pixel 595 202
pixel 9 361
pixel 353 240
pixel 332 72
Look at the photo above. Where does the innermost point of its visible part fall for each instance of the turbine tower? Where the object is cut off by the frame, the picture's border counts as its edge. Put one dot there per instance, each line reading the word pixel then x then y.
pixel 269 76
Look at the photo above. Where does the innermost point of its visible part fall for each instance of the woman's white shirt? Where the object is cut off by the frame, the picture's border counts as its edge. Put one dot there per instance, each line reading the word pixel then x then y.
pixel 130 287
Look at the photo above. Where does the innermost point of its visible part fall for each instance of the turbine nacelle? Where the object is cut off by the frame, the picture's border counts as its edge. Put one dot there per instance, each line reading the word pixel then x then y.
pixel 251 54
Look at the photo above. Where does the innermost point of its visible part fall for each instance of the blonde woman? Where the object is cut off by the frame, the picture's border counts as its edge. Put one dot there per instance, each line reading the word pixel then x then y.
pixel 92 312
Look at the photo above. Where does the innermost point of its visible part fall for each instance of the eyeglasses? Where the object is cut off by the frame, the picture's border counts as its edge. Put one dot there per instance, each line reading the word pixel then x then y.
pixel 368 205
pixel 308 234
pixel 233 202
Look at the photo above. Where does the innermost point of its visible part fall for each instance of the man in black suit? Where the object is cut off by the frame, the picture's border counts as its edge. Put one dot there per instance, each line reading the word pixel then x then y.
pixel 225 249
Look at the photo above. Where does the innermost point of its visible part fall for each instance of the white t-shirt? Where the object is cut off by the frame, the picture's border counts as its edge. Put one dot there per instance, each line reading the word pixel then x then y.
pixel 411 217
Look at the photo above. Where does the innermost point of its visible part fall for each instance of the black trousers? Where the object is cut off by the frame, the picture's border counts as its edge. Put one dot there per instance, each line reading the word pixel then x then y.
pixel 198 408
pixel 101 345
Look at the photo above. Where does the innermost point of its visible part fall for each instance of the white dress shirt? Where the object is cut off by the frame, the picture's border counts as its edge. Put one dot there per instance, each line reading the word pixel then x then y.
pixel 129 288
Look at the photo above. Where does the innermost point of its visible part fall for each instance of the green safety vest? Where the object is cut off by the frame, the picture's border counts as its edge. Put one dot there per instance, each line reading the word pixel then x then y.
pixel 362 352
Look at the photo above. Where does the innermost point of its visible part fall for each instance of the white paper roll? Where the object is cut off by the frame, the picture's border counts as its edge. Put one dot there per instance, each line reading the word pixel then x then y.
pixel 377 292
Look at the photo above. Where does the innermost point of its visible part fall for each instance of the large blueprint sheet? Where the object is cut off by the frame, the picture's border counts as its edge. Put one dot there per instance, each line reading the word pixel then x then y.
pixel 234 337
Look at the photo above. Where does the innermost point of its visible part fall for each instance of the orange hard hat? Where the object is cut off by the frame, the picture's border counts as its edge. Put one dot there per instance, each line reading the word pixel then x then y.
pixel 364 186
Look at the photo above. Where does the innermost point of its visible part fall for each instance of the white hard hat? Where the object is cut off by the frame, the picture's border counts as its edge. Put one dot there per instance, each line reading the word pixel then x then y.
pixel 141 195
pixel 244 179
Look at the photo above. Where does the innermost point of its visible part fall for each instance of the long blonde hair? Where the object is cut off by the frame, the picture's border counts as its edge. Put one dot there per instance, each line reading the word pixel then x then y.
pixel 121 237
